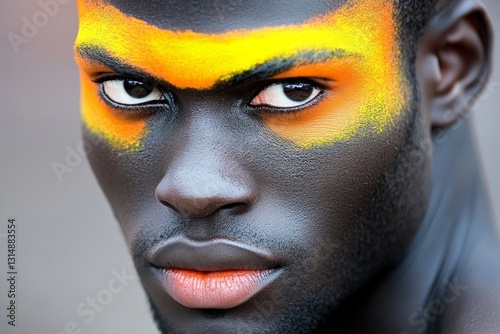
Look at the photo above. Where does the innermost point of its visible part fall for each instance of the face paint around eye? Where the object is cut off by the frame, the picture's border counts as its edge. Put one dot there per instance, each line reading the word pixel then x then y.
pixel 129 92
pixel 286 95
pixel 370 90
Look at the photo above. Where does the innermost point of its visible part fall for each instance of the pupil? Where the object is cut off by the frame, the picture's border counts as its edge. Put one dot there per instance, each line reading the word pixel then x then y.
pixel 298 91
pixel 136 89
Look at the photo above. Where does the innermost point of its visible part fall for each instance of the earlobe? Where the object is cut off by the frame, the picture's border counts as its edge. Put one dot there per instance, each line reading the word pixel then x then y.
pixel 462 49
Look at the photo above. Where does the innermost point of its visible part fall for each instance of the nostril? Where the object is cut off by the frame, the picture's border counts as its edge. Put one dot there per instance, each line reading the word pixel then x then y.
pixel 167 204
pixel 237 207
pixel 231 205
pixel 190 195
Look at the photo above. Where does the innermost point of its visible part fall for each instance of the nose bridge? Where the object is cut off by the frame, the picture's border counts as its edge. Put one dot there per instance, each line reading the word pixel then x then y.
pixel 204 175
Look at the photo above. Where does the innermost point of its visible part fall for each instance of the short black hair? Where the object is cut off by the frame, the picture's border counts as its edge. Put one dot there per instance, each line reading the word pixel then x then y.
pixel 412 16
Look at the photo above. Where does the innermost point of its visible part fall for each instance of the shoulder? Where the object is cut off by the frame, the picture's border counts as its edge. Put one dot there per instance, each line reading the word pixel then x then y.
pixel 473 295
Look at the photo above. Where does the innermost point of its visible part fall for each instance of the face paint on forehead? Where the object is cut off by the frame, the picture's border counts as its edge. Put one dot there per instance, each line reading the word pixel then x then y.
pixel 360 39
pixel 193 60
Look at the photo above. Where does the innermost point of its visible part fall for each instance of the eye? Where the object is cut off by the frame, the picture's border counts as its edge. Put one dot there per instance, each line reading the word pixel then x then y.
pixel 286 95
pixel 131 92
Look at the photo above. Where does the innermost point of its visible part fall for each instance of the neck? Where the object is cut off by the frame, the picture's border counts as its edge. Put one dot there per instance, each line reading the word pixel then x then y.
pixel 456 218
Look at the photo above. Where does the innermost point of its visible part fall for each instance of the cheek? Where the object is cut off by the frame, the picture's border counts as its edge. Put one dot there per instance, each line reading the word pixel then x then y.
pixel 325 186
pixel 127 184
pixel 119 131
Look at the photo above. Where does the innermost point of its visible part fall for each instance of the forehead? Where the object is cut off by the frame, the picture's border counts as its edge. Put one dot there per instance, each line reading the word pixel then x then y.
pixel 362 29
pixel 215 16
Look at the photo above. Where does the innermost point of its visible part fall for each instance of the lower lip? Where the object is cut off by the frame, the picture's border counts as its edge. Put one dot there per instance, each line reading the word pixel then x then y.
pixel 216 290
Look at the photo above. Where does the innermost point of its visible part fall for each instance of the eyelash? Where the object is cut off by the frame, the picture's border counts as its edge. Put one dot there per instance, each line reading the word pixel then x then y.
pixel 133 110
pixel 291 111
pixel 140 110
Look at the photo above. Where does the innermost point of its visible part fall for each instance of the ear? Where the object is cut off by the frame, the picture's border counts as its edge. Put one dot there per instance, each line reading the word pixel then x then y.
pixel 454 61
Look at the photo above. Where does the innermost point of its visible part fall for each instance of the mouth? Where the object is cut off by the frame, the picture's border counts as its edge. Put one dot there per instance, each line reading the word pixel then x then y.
pixel 216 274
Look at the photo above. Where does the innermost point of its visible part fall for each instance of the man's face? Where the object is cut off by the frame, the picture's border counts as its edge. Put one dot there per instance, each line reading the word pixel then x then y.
pixel 264 159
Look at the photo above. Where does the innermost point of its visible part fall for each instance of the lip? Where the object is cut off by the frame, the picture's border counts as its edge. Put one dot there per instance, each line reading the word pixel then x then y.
pixel 217 274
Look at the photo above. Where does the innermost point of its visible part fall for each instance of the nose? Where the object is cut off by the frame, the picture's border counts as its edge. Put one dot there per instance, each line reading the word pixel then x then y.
pixel 200 184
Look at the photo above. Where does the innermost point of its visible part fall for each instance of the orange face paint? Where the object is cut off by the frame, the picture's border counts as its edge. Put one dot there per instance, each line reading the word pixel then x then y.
pixel 366 90
pixel 120 131
pixel 217 290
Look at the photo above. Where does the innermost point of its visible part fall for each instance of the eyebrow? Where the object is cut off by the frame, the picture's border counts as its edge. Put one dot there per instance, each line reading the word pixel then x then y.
pixel 93 54
pixel 265 70
pixel 278 65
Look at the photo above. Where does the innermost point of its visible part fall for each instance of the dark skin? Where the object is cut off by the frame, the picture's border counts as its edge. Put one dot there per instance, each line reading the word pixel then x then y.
pixel 362 232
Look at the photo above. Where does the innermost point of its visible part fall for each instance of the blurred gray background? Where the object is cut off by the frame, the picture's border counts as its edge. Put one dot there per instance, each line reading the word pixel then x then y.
pixel 69 246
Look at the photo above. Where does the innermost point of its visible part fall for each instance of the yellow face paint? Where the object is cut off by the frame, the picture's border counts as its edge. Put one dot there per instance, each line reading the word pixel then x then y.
pixel 366 89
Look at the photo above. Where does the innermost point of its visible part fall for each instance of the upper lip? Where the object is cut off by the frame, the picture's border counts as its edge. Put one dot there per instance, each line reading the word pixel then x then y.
pixel 213 255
